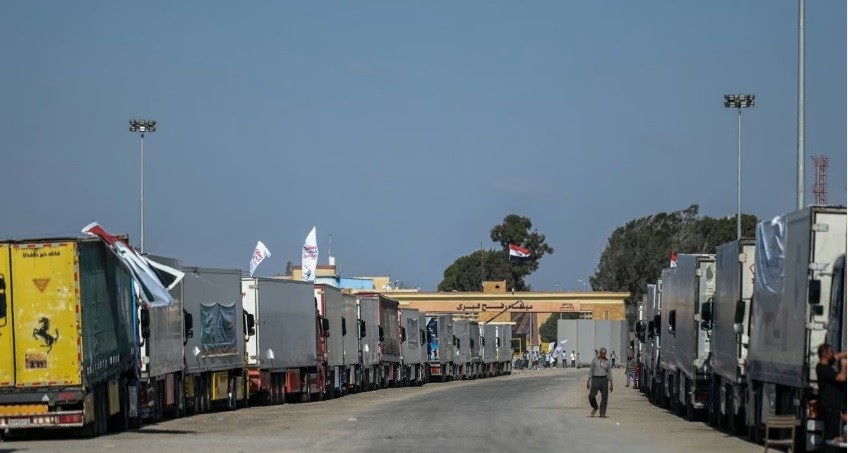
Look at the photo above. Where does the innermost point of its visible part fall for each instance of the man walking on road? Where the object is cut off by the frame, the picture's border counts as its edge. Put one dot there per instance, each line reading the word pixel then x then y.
pixel 600 380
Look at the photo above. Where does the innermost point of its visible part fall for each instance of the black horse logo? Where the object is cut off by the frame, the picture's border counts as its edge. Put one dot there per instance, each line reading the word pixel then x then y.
pixel 44 333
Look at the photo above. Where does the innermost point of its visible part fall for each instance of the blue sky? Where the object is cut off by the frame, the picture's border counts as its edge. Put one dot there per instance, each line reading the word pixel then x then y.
pixel 406 129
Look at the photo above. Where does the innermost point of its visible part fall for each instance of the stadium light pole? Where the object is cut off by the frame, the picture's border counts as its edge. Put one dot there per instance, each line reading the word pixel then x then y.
pixel 142 126
pixel 738 102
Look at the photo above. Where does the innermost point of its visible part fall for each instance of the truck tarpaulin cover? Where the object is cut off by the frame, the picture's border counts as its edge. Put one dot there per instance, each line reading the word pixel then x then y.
pixel 218 335
pixel 770 256
pixel 154 279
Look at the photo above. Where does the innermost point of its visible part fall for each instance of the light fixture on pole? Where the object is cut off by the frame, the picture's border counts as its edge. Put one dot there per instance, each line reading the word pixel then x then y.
pixel 585 285
pixel 738 102
pixel 142 126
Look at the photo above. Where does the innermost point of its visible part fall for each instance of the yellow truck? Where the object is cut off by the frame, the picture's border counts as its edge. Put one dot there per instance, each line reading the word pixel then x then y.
pixel 67 348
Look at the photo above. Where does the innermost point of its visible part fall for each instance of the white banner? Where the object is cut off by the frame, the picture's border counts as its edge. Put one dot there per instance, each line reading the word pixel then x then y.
pixel 259 254
pixel 309 258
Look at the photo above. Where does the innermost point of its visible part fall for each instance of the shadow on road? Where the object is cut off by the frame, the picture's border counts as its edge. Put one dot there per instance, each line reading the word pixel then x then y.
pixel 163 431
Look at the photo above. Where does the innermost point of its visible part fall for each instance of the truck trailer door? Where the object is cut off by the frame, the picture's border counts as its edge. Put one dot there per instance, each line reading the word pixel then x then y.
pixel 7 353
pixel 46 313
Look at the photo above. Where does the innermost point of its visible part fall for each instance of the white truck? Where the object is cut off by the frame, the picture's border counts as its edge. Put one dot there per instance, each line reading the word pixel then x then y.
pixel 729 318
pixel 790 314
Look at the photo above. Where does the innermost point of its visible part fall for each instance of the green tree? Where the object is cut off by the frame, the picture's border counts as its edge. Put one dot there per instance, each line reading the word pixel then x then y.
pixel 548 329
pixel 637 252
pixel 468 272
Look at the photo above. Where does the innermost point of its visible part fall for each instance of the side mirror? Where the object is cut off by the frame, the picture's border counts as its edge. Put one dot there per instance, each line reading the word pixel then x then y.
pixel 361 328
pixel 472 344
pixel 455 341
pixel 498 341
pixel 3 299
pixel 483 341
pixel 423 336
pixel 814 293
pixel 650 329
pixel 251 324
pixel 380 335
pixel 402 334
pixel 344 327
pixel 145 323
pixel 188 322
pixel 325 325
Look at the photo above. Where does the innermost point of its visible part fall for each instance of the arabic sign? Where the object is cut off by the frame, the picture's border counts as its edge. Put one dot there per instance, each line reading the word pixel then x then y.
pixel 517 305
pixel 570 307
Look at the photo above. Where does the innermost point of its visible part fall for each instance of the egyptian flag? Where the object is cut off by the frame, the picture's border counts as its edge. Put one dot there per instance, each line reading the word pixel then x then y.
pixel 673 260
pixel 518 253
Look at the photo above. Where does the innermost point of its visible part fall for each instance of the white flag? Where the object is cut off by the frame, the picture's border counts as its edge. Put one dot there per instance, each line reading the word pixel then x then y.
pixel 259 254
pixel 309 259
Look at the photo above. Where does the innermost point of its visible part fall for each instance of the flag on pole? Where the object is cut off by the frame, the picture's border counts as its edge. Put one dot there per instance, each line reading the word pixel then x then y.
pixel 673 260
pixel 309 258
pixel 153 279
pixel 259 254
pixel 519 253
pixel 559 347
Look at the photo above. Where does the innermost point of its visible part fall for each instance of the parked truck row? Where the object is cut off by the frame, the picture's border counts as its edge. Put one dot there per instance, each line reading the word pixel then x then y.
pixel 82 347
pixel 732 337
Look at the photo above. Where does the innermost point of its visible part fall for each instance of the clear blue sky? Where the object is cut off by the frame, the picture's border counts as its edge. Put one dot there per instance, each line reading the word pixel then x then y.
pixel 405 129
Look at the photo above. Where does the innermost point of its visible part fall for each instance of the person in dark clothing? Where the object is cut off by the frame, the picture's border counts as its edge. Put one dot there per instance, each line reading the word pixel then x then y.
pixel 831 390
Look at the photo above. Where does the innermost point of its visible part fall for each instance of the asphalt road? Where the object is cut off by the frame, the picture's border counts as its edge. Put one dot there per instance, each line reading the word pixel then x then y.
pixel 545 411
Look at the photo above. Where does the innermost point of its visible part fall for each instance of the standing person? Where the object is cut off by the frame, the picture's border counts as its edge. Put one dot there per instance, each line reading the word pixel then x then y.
pixel 630 369
pixel 831 390
pixel 578 360
pixel 612 358
pixel 573 364
pixel 600 380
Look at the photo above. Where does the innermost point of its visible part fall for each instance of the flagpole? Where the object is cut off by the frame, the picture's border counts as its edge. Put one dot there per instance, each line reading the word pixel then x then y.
pixel 482 267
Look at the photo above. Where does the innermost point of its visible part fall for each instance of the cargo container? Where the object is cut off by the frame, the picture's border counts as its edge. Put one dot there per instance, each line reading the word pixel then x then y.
pixel 462 331
pixel 440 347
pixel 667 372
pixel 287 357
pixel 161 384
pixel 330 307
pixel 413 364
pixel 67 346
pixel 476 357
pixel 389 340
pixel 689 287
pixel 728 319
pixel 369 343
pixel 504 348
pixel 490 349
pixel 215 351
pixel 790 315
pixel 387 370
pixel 422 326
pixel 350 343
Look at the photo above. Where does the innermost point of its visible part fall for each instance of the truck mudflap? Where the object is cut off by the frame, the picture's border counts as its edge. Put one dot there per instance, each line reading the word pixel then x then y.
pixel 255 380
pixel 314 383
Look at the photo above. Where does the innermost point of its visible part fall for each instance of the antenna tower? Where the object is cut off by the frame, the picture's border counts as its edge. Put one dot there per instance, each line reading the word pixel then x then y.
pixel 820 186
